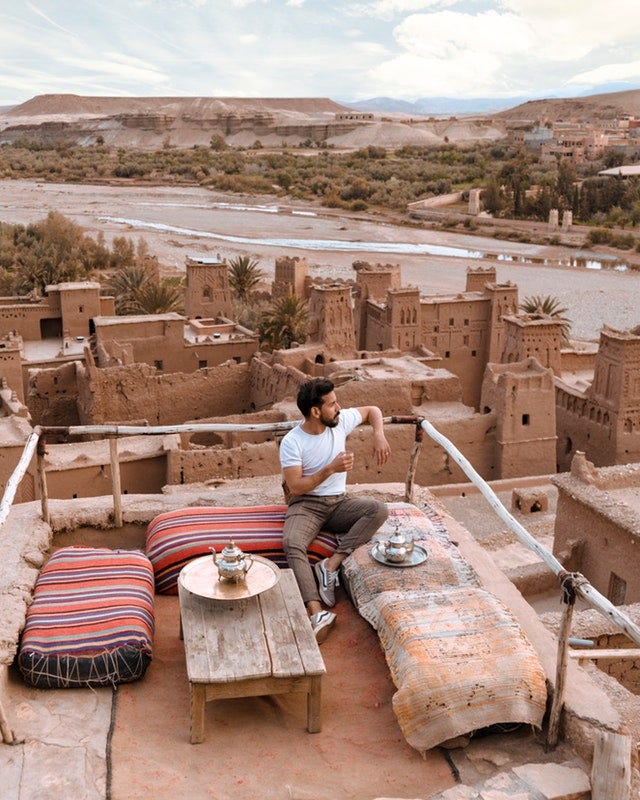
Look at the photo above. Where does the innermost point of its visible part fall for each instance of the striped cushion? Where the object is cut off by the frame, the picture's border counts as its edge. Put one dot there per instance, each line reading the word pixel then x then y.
pixel 176 537
pixel 91 621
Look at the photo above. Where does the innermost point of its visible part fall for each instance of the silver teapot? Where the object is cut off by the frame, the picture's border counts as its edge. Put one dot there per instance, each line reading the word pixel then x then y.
pixel 232 564
pixel 398 547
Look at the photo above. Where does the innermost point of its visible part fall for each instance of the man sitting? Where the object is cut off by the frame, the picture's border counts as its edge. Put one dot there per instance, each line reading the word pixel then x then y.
pixel 314 467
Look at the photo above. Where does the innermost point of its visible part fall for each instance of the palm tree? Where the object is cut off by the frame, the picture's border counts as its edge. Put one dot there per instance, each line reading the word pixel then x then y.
pixel 285 322
pixel 124 285
pixel 138 291
pixel 244 276
pixel 159 298
pixel 548 306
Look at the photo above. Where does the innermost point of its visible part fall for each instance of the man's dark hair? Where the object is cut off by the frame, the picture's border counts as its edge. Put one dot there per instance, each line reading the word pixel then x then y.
pixel 312 393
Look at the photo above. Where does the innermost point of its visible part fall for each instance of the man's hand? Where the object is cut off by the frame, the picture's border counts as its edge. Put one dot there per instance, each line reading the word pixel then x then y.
pixel 381 449
pixel 343 462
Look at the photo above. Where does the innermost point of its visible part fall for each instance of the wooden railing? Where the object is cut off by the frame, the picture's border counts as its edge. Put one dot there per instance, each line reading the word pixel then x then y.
pixel 572 584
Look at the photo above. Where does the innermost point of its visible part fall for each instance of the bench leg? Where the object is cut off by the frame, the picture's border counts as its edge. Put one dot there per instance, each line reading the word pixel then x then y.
pixel 314 697
pixel 197 701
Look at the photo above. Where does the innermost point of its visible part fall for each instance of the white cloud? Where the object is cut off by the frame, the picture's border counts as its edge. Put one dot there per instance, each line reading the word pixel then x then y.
pixel 608 72
pixel 337 48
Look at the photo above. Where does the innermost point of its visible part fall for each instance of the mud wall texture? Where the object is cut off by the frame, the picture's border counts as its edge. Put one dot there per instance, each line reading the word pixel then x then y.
pixel 138 391
pixel 434 467
pixel 52 397
pixel 599 536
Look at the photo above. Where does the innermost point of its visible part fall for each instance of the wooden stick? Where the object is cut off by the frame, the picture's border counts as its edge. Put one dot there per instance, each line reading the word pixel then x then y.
pixel 561 674
pixel 42 480
pixel 611 767
pixel 116 486
pixel 413 463
pixel 612 652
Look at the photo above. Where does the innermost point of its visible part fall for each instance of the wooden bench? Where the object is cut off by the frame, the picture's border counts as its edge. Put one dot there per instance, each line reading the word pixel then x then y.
pixel 261 645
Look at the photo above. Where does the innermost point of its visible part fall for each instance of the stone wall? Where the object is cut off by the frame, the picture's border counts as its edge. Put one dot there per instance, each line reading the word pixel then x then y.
pixel 119 394
pixel 598 533
pixel 52 398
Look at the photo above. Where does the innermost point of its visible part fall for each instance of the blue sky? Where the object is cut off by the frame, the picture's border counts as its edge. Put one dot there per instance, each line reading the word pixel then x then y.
pixel 342 49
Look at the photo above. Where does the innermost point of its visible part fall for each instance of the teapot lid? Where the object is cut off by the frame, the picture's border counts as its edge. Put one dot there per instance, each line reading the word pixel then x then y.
pixel 231 552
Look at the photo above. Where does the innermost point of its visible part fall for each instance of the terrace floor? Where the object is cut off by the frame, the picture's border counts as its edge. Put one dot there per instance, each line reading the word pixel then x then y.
pixel 134 742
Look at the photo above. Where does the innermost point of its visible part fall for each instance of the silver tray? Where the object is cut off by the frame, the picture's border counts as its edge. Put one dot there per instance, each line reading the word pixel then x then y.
pixel 418 556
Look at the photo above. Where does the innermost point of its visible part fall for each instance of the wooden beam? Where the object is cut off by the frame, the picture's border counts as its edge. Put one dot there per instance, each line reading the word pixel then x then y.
pixel 612 652
pixel 611 768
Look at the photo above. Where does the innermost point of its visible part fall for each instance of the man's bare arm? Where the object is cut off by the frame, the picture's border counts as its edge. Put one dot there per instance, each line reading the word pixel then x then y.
pixel 373 416
pixel 298 483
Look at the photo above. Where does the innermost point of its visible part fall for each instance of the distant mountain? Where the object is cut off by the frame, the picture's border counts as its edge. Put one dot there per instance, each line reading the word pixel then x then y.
pixel 447 106
pixel 437 106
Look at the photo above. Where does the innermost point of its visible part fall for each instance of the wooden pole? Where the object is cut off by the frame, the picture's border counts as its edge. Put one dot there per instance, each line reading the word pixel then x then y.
pixel 42 480
pixel 568 603
pixel 413 463
pixel 582 587
pixel 116 486
pixel 17 475
pixel 611 767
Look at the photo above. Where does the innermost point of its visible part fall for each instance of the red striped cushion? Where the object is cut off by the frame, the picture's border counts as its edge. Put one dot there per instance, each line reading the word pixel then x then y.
pixel 176 537
pixel 91 621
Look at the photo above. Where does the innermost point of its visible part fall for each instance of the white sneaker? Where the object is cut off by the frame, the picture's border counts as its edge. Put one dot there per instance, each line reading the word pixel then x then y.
pixel 327 582
pixel 321 624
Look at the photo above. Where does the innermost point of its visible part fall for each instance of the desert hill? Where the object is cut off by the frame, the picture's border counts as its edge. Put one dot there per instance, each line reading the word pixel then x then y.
pixel 588 108
pixel 80 105
pixel 148 123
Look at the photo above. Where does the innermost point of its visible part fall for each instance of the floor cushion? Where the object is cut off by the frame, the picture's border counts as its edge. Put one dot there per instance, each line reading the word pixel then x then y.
pixel 176 537
pixel 91 621
pixel 460 662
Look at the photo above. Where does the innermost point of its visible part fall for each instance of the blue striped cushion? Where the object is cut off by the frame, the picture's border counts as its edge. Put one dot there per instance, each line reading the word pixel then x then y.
pixel 91 622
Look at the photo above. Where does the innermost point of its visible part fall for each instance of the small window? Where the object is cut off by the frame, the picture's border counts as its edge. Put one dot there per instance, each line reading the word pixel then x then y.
pixel 447 353
pixel 466 322
pixel 158 365
pixel 202 364
pixel 206 292
pixel 525 419
pixel 617 589
pixel 80 309
pixel 465 341
pixel 450 320
pixel 474 353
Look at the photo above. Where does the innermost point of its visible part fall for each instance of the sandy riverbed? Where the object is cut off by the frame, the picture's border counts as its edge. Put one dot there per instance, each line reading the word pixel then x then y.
pixel 177 222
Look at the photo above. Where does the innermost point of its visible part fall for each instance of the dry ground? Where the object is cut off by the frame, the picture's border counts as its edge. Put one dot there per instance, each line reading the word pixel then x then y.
pixel 211 224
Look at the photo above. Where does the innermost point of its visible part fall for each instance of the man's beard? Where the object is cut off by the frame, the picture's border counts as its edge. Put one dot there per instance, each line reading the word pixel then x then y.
pixel 330 423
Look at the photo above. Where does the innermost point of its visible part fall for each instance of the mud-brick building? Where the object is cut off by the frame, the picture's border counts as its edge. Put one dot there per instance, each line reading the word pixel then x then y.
pixel 171 343
pixel 465 330
pixel 597 528
pixel 207 290
pixel 599 415
pixel 67 309
pixel 521 396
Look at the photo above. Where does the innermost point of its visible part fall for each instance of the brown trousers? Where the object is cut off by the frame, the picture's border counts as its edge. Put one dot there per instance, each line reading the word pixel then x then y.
pixel 353 521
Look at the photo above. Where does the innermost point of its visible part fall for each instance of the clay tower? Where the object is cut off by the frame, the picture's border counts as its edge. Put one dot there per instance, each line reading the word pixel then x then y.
pixel 207 293
pixel 331 319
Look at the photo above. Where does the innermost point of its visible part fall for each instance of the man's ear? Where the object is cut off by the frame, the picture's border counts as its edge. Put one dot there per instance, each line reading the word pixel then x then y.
pixel 315 412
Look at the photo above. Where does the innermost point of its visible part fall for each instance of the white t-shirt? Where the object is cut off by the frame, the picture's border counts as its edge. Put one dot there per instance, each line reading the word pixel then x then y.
pixel 315 451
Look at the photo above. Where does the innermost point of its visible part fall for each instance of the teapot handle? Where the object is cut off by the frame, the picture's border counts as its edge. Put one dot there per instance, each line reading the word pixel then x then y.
pixel 250 557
